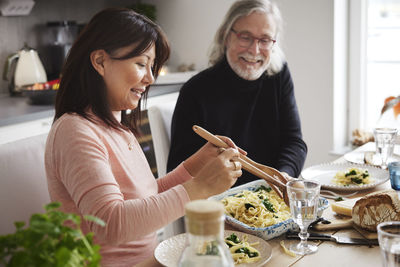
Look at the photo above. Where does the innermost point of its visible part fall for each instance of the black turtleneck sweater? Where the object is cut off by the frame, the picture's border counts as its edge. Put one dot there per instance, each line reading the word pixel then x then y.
pixel 259 116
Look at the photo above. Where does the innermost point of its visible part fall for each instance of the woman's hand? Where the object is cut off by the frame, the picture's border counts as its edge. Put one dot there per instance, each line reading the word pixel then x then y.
pixel 216 176
pixel 206 153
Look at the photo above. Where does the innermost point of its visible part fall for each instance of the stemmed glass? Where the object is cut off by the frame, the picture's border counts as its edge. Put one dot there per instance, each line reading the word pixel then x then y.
pixel 303 198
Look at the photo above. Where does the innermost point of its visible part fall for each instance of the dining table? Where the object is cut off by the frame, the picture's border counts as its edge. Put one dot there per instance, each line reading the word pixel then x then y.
pixel 329 253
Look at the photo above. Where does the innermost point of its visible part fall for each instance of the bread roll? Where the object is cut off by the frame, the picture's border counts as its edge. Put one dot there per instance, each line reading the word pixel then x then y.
pixel 375 208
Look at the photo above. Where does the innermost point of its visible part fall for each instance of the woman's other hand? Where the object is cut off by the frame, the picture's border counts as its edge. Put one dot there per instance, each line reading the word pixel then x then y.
pixel 216 176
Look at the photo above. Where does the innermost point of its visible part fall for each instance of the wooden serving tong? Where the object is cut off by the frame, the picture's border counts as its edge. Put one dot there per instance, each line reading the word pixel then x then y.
pixel 272 176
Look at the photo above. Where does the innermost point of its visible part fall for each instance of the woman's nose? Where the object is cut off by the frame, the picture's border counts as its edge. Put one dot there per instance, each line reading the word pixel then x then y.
pixel 149 78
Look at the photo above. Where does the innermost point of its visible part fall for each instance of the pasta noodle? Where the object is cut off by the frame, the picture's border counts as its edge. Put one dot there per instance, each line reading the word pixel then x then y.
pixel 259 208
pixel 288 252
pixel 352 176
pixel 241 250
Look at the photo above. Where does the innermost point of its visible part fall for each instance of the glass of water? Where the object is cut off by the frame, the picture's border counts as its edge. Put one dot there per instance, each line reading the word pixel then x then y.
pixel 303 198
pixel 389 242
pixel 394 174
pixel 384 141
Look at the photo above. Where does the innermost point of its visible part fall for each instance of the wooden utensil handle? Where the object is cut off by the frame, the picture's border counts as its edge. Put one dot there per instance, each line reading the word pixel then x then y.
pixel 246 165
pixel 209 137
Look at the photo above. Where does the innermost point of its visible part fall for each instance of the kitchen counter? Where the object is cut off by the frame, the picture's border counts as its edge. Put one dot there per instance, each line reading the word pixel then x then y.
pixel 14 110
pixel 17 109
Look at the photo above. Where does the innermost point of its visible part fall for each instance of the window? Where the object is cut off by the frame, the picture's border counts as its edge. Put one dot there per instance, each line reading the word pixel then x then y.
pixel 374 60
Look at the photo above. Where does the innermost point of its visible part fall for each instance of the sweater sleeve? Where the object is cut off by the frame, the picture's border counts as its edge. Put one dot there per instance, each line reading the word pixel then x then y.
pixel 82 164
pixel 188 112
pixel 178 176
pixel 293 150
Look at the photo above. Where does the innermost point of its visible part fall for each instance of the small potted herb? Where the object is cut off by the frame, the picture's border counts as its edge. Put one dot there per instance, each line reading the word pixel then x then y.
pixel 148 10
pixel 47 241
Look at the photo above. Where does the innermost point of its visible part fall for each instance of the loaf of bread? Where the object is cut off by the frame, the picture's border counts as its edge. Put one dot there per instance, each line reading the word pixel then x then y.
pixel 375 208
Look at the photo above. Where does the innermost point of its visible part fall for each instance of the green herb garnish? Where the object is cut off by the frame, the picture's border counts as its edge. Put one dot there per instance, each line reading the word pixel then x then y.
pixel 247 251
pixel 234 238
pixel 248 206
pixel 352 172
pixel 356 180
pixel 268 205
pixel 263 188
pixel 339 199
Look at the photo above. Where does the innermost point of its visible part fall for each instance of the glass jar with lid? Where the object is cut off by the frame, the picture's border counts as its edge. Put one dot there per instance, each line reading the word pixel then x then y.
pixel 205 246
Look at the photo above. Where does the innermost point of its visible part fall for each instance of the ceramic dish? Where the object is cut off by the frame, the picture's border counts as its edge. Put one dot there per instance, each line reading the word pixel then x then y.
pixel 40 97
pixel 168 251
pixel 324 174
pixel 357 156
pixel 265 232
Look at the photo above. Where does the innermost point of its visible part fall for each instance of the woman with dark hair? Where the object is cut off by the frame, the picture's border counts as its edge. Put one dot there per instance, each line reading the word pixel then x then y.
pixel 94 164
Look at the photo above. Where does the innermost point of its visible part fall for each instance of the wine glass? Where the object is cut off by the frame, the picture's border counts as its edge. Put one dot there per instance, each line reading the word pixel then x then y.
pixel 303 198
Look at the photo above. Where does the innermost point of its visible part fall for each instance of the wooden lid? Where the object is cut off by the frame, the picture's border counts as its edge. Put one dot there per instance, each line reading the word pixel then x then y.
pixel 204 217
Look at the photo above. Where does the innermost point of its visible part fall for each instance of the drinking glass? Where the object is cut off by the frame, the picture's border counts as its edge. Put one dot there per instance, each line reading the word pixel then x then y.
pixel 303 198
pixel 389 242
pixel 394 174
pixel 384 141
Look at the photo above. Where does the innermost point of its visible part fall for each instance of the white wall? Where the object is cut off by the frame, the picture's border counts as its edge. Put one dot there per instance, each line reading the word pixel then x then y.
pixel 190 26
pixel 307 42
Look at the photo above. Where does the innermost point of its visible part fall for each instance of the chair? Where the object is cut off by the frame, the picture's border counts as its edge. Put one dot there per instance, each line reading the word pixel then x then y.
pixel 23 184
pixel 160 116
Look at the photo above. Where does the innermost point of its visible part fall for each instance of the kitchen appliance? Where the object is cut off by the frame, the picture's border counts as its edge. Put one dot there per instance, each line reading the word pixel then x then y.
pixel 57 39
pixel 16 7
pixel 23 68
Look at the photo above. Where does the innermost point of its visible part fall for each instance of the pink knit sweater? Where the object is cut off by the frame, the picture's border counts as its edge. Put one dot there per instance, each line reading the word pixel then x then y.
pixel 93 169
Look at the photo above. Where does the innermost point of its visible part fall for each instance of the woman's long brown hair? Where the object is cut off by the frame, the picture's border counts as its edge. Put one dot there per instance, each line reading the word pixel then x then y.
pixel 82 87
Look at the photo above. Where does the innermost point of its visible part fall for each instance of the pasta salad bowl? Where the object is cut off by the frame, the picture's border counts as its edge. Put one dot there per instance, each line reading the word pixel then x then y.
pixel 268 232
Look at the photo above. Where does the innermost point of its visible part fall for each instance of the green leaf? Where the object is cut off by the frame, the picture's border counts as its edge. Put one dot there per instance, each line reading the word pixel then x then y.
pixel 95 220
pixel 19 225
pixel 52 206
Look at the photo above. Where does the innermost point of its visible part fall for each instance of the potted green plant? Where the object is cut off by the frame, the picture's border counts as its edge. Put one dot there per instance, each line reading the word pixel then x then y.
pixel 48 241
pixel 148 10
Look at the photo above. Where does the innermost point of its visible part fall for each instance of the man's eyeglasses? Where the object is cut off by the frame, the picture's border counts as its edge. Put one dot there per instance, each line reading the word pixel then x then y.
pixel 246 40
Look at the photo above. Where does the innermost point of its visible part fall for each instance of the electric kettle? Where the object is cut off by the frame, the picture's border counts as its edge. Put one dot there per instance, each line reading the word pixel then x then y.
pixel 23 68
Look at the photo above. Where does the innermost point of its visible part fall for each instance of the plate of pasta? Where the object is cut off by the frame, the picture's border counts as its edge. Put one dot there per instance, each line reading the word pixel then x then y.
pixel 346 176
pixel 246 250
pixel 255 209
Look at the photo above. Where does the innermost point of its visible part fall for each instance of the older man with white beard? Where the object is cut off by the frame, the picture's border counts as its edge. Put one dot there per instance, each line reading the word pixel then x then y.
pixel 247 94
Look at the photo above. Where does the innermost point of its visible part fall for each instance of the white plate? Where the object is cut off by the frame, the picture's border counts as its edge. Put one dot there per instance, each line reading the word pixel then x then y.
pixel 169 251
pixel 269 232
pixel 358 157
pixel 324 173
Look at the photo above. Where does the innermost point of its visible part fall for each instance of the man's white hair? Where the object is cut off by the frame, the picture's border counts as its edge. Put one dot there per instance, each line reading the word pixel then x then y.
pixel 240 9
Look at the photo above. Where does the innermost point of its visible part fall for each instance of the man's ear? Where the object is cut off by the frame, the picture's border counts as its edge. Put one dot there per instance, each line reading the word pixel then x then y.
pixel 97 58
